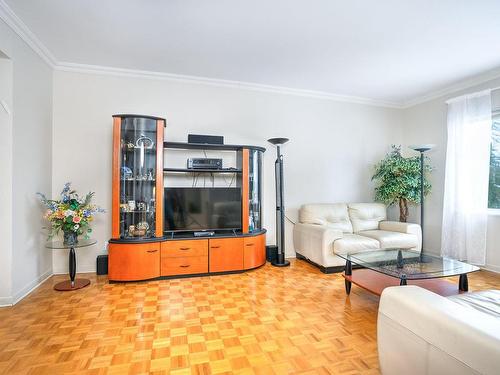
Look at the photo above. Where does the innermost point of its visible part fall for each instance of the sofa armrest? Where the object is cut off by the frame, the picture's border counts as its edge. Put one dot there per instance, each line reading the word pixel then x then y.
pixel 419 332
pixel 409 228
pixel 314 241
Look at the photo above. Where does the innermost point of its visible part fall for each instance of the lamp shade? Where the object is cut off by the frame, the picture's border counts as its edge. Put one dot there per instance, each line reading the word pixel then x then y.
pixel 278 141
pixel 422 147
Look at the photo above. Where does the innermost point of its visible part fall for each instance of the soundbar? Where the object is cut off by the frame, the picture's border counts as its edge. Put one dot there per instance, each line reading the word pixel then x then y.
pixel 206 139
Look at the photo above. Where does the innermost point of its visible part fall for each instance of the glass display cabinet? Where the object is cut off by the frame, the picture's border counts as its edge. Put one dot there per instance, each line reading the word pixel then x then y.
pixel 137 177
pixel 255 190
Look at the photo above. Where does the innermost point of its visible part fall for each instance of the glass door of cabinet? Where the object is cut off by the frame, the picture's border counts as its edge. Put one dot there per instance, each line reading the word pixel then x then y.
pixel 255 190
pixel 138 177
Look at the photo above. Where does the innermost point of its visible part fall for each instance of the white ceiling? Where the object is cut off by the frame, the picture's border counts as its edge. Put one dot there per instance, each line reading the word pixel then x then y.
pixel 386 50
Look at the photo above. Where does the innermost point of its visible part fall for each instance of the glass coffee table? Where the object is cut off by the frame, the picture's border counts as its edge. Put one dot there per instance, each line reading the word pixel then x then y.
pixel 379 269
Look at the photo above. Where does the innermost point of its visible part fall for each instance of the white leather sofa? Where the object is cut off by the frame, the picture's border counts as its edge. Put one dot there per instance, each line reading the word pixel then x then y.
pixel 420 332
pixel 325 230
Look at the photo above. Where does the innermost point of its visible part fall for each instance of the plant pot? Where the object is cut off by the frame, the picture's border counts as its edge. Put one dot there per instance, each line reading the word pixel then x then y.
pixel 70 238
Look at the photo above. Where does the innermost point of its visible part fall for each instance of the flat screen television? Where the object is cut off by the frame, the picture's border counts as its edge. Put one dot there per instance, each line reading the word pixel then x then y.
pixel 198 208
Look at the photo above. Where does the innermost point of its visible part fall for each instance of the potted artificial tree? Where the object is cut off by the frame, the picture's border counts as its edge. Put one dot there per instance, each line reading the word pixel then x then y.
pixel 398 181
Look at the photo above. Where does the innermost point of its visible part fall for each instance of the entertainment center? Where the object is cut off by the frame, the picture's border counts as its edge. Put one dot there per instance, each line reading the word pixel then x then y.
pixel 161 229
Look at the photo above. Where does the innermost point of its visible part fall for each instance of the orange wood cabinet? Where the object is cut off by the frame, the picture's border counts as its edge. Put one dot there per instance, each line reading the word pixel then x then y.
pixel 130 262
pixel 254 251
pixel 226 254
pixel 184 257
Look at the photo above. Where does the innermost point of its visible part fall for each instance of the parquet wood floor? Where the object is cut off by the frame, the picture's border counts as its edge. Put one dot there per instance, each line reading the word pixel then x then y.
pixel 268 321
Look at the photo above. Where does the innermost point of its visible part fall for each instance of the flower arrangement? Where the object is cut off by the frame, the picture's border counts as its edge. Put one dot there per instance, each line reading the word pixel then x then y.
pixel 71 214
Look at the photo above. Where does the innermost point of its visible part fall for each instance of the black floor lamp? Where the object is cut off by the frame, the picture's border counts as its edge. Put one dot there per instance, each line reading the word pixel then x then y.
pixel 422 149
pixel 280 204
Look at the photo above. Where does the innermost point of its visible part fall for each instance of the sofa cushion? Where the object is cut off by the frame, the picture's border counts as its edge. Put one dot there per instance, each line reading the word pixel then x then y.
pixel 366 216
pixel 354 243
pixel 392 240
pixel 486 301
pixel 334 216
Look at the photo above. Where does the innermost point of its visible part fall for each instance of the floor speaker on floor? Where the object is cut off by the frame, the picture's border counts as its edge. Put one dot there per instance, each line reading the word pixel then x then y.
pixel 102 265
pixel 271 253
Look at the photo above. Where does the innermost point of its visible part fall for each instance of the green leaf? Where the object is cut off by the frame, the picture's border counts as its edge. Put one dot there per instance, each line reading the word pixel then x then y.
pixel 398 178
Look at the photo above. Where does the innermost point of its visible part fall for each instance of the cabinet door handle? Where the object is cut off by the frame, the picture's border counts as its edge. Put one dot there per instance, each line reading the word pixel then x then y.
pixel 184 265
pixel 152 251
pixel 250 244
pixel 214 247
pixel 184 248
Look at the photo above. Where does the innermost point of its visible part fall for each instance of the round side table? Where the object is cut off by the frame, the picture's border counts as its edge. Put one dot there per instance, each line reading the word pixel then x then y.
pixel 72 283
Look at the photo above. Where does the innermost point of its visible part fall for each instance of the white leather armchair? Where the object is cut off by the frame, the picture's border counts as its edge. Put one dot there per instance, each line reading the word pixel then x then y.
pixel 420 332
pixel 325 230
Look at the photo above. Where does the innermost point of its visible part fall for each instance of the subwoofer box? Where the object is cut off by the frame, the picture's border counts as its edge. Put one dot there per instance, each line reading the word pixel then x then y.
pixel 102 265
pixel 271 253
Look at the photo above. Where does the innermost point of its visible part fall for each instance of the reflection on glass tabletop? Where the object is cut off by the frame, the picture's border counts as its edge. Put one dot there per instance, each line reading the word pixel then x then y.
pixel 409 263
pixel 59 244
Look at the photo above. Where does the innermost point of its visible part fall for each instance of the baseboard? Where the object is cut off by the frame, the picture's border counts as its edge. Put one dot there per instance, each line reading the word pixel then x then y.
pixel 81 269
pixel 5 301
pixel 491 268
pixel 31 287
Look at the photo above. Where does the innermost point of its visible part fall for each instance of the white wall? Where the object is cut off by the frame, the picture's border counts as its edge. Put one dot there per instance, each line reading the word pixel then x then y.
pixel 31 163
pixel 329 158
pixel 6 180
pixel 426 123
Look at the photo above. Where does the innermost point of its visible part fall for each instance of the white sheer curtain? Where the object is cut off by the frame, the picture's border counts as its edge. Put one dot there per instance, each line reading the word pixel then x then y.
pixel 465 208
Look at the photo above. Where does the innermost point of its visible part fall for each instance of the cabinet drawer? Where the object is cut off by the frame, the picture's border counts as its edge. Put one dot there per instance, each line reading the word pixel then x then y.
pixel 171 266
pixel 254 251
pixel 226 254
pixel 130 262
pixel 184 248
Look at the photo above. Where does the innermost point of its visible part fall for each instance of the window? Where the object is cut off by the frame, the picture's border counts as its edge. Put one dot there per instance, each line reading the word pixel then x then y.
pixel 494 184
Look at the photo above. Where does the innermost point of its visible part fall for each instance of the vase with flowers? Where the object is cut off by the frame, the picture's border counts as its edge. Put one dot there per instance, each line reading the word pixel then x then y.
pixel 71 214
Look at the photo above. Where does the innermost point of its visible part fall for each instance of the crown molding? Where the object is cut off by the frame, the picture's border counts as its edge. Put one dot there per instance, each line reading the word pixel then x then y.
pixel 134 73
pixel 20 28
pixel 454 88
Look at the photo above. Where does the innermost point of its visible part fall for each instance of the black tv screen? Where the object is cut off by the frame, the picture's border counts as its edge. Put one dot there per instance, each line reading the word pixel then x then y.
pixel 196 209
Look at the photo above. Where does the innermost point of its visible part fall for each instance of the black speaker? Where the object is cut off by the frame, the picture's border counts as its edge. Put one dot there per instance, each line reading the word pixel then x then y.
pixel 102 265
pixel 206 139
pixel 271 253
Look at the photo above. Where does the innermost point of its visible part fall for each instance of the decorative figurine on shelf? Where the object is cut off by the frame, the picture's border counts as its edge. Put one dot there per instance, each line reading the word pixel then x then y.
pixel 150 175
pixel 131 205
pixel 126 173
pixel 145 142
pixel 71 214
